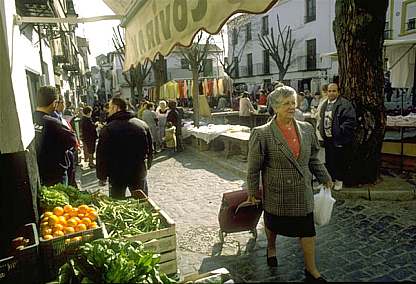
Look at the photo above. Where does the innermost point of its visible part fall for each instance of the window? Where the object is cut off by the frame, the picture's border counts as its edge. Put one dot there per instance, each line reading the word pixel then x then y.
pixel 266 62
pixel 411 24
pixel 311 54
pixel 265 25
pixel 248 31
pixel 235 37
pixel 184 64
pixel 250 64
pixel 236 67
pixel 207 67
pixel 310 11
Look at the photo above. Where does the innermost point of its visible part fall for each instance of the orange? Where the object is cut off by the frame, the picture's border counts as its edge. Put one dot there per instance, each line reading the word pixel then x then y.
pixel 80 227
pixel 68 208
pixel 69 230
pixel 58 211
pixel 62 220
pixel 77 219
pixel 83 209
pixel 44 219
pixel 44 225
pixel 47 214
pixel 71 222
pixel 58 234
pixel 52 220
pixel 80 215
pixel 47 237
pixel 74 212
pixel 76 239
pixel 92 225
pixel 47 232
pixel 67 216
pixel 86 221
pixel 58 227
pixel 92 215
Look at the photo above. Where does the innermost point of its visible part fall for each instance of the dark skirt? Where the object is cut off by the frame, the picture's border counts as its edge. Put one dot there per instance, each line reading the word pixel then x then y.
pixel 290 226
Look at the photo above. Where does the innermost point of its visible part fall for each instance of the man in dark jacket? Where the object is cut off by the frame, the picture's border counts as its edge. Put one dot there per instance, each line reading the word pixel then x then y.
pixel 53 140
pixel 174 116
pixel 337 124
pixel 124 151
pixel 88 135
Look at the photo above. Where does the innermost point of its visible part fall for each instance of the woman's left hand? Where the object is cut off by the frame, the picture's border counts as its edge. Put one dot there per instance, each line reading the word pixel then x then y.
pixel 329 184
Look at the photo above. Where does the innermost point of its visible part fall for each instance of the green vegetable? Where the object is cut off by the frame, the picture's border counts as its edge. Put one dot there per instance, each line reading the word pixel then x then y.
pixel 50 198
pixel 113 261
pixel 124 218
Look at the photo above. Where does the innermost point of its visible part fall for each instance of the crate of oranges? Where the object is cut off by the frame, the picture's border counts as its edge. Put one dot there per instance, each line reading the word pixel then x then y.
pixel 63 230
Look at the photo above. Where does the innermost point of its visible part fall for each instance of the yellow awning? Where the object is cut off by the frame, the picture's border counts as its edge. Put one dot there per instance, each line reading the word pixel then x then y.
pixel 156 26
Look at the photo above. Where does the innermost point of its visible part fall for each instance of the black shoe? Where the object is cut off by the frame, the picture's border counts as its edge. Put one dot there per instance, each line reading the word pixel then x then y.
pixel 310 279
pixel 271 261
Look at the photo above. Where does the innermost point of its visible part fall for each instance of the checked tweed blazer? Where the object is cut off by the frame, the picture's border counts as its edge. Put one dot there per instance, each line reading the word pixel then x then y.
pixel 287 181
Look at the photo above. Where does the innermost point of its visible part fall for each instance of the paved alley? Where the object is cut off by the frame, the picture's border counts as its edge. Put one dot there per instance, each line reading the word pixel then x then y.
pixel 365 241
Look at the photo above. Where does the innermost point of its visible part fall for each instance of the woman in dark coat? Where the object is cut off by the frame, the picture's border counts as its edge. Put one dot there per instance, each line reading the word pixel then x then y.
pixel 88 135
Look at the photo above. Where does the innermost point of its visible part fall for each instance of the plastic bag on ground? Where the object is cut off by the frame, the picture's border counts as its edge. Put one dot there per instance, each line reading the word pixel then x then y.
pixel 323 205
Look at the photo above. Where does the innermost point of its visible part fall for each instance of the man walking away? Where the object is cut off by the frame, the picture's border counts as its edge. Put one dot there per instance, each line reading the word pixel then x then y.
pixel 52 140
pixel 337 124
pixel 88 135
pixel 175 118
pixel 124 151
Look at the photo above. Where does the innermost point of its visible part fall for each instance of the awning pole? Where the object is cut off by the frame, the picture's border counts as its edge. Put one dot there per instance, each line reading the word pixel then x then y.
pixel 18 20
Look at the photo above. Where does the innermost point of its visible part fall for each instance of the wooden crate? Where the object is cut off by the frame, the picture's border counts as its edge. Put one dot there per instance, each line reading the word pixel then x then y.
pixel 162 241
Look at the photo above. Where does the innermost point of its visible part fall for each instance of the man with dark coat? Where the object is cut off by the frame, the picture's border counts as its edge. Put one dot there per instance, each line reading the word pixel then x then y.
pixel 337 124
pixel 53 140
pixel 124 151
pixel 174 116
pixel 88 135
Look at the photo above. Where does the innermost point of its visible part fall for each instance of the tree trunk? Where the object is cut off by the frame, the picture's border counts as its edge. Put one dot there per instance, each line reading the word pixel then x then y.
pixel 195 93
pixel 282 74
pixel 359 34
pixel 139 87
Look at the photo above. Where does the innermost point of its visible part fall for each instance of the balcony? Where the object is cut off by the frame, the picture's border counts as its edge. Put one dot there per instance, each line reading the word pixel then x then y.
pixel 411 24
pixel 310 18
pixel 388 34
pixel 308 62
pixel 35 8
pixel 258 69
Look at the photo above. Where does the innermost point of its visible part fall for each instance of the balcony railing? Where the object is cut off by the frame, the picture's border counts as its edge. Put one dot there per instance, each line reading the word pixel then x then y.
pixel 310 18
pixel 308 62
pixel 35 8
pixel 388 34
pixel 258 69
pixel 411 24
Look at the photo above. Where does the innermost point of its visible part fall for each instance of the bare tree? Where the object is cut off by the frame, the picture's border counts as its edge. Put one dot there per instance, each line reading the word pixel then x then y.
pixel 280 48
pixel 137 74
pixel 228 63
pixel 194 55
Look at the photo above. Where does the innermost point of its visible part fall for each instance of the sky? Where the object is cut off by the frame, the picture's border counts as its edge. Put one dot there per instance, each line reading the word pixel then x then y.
pixel 99 34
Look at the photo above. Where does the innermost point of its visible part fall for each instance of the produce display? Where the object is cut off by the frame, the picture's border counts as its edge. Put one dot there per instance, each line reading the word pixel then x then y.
pixel 66 220
pixel 60 195
pixel 125 218
pixel 113 261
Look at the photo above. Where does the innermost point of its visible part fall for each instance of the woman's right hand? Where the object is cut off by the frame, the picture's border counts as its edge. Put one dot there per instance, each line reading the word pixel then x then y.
pixel 251 199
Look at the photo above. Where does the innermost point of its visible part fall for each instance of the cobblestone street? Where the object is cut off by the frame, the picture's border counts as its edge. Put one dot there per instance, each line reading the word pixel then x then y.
pixel 365 241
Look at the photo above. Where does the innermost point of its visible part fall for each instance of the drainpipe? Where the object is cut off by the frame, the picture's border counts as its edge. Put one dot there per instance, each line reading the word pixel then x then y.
pixel 40 51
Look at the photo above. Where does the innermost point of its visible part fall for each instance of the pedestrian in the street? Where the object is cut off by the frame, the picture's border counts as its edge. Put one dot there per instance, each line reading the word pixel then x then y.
pixel 53 140
pixel 124 151
pixel 176 119
pixel 170 136
pixel 88 135
pixel 162 114
pixel 284 153
pixel 143 107
pixel 302 103
pixel 72 154
pixel 337 124
pixel 150 117
pixel 275 85
pixel 246 109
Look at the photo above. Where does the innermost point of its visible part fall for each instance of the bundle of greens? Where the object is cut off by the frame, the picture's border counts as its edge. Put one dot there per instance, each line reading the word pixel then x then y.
pixel 59 195
pixel 113 261
pixel 125 218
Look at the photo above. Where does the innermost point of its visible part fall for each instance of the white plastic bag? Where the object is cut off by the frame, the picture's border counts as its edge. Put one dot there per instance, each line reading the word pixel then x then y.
pixel 323 203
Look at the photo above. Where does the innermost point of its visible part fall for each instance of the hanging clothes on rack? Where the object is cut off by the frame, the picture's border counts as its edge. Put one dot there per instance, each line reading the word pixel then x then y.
pixel 210 85
pixel 185 89
pixel 220 87
pixel 215 88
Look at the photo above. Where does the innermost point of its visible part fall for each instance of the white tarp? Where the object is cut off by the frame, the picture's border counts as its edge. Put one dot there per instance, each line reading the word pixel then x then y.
pixel 119 7
pixel 158 25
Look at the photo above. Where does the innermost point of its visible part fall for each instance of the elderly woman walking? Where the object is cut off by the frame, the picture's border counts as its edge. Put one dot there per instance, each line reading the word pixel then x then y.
pixel 162 114
pixel 284 152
